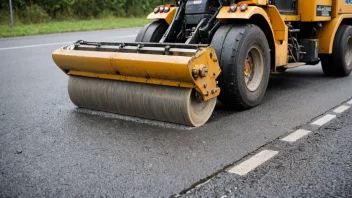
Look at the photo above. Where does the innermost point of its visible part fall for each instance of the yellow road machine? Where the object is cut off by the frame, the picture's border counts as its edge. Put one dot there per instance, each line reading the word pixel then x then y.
pixel 196 52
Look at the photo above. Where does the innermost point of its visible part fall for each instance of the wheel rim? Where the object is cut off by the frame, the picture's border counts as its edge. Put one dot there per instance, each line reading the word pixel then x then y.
pixel 348 53
pixel 253 69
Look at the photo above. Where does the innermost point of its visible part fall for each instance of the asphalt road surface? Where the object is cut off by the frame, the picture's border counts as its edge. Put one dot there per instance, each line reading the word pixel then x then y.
pixel 49 148
pixel 319 165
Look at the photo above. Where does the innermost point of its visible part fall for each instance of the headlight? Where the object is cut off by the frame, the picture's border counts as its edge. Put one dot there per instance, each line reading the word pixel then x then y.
pixel 161 8
pixel 156 10
pixel 233 7
pixel 166 8
pixel 243 7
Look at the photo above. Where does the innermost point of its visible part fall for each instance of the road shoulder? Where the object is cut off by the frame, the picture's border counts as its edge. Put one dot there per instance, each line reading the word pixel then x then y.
pixel 317 165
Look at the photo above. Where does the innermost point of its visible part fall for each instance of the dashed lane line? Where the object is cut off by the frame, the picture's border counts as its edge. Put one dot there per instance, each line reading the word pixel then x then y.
pixel 250 164
pixel 61 43
pixel 253 162
pixel 263 156
pixel 296 135
pixel 341 109
pixel 323 120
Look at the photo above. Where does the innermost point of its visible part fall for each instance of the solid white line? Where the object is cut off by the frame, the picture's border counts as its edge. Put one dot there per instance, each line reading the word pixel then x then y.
pixel 341 109
pixel 61 43
pixel 323 120
pixel 253 162
pixel 38 45
pixel 296 135
pixel 350 102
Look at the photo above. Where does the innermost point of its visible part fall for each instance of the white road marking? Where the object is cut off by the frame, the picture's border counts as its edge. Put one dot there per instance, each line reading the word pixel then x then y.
pixel 296 135
pixel 61 43
pixel 350 102
pixel 39 45
pixel 253 162
pixel 341 109
pixel 323 120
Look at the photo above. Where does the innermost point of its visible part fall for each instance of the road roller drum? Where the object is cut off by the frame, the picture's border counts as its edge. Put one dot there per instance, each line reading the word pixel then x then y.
pixel 163 103
pixel 167 82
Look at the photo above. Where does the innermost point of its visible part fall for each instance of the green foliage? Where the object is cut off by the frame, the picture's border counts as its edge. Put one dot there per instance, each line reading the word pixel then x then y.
pixel 33 14
pixel 37 11
pixel 70 26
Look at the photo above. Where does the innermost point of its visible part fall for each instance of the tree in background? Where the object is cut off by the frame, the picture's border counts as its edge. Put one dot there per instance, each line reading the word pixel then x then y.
pixel 36 11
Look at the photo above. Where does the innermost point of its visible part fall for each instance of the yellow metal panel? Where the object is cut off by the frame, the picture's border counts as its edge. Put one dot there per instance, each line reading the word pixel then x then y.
pixel 207 86
pixel 153 81
pixel 145 68
pixel 308 10
pixel 340 7
pixel 262 2
pixel 88 60
pixel 281 35
pixel 168 16
pixel 224 14
pixel 326 34
pixel 157 66
pixel 126 64
pixel 278 25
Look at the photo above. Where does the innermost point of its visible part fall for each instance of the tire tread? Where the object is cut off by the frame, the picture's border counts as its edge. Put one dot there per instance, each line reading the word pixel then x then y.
pixel 230 94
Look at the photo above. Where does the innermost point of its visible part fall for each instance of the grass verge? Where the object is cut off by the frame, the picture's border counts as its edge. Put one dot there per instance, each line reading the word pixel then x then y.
pixel 70 26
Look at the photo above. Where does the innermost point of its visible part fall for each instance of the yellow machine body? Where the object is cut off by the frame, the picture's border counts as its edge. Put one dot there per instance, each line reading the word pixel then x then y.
pixel 167 16
pixel 167 70
pixel 276 27
pixel 176 70
pixel 336 12
pixel 182 78
pixel 307 10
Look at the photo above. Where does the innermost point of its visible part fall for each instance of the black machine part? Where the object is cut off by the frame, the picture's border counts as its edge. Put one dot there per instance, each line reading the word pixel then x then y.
pixel 286 6
pixel 196 10
pixel 194 22
pixel 310 49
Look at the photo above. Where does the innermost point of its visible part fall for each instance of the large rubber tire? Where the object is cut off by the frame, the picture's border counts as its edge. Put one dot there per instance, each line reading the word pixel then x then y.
pixel 339 63
pixel 233 43
pixel 152 32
